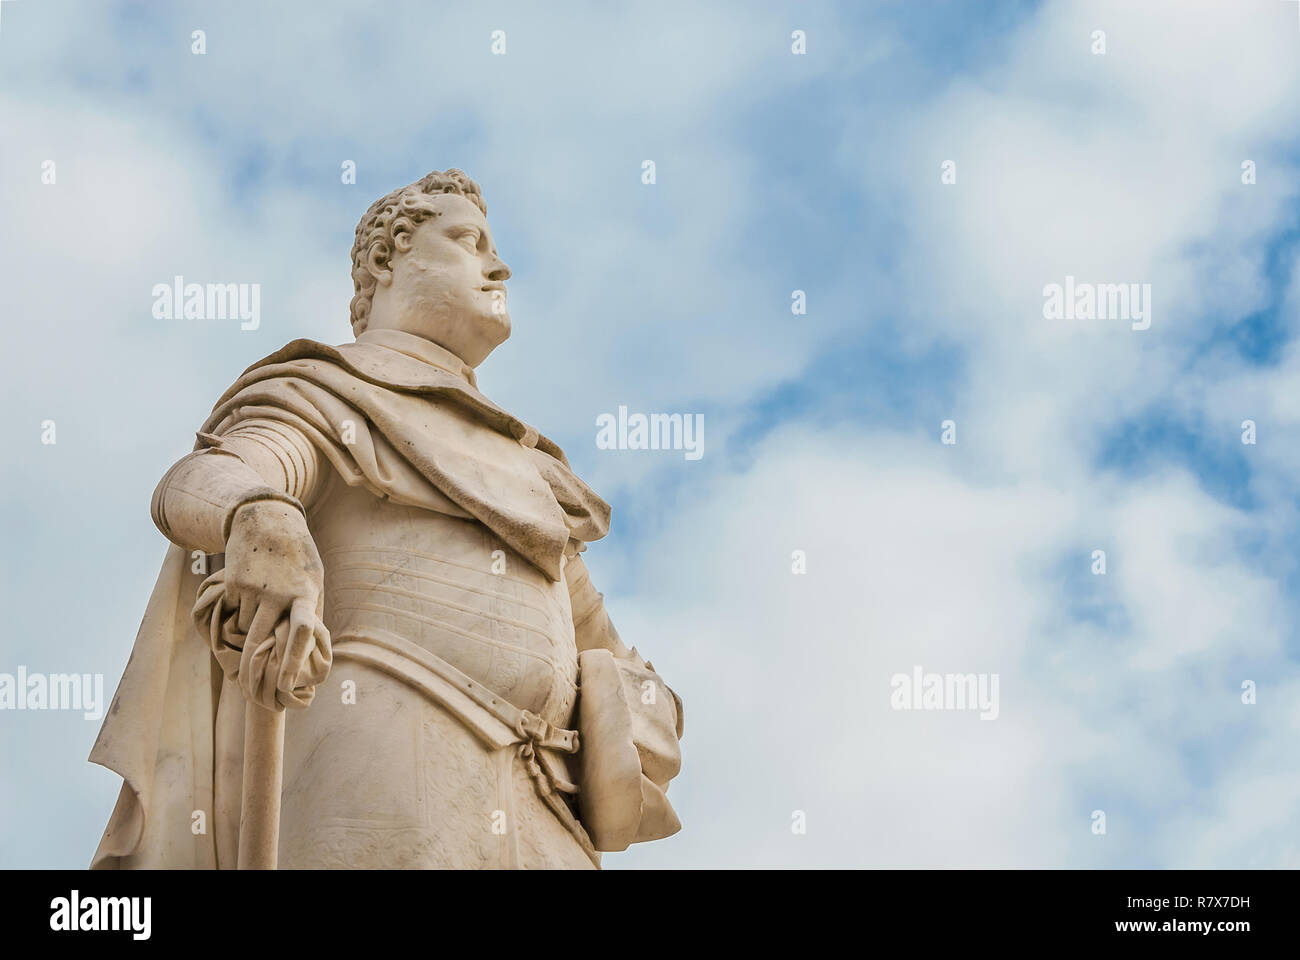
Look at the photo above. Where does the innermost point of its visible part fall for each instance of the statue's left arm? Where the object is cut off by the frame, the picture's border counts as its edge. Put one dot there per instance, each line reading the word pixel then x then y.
pixel 629 722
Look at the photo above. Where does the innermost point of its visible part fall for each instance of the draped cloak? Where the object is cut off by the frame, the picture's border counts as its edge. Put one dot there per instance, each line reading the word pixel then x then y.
pixel 403 429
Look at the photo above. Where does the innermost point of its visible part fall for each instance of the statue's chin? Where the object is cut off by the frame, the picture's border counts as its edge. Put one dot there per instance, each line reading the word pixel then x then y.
pixel 496 328
pixel 489 332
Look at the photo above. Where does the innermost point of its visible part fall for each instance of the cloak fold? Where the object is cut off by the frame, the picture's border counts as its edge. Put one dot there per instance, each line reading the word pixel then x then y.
pixel 404 429
pixel 157 736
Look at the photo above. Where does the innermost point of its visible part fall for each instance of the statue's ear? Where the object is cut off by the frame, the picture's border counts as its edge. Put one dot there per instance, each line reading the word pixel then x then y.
pixel 377 262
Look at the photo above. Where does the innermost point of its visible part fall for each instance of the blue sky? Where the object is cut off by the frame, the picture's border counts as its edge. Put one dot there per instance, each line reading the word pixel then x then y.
pixel 775 173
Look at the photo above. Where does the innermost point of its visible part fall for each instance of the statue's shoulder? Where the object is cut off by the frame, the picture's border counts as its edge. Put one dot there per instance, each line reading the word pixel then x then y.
pixel 299 349
pixel 363 360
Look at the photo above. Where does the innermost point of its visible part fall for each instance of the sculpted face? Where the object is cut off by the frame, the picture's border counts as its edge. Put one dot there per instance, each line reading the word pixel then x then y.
pixel 448 285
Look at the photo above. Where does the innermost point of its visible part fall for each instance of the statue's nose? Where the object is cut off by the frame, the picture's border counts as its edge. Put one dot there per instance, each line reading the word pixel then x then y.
pixel 499 271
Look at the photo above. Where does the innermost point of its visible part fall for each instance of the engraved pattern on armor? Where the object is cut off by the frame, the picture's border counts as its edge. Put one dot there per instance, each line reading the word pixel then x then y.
pixel 428 577
pixel 544 842
pixel 516 646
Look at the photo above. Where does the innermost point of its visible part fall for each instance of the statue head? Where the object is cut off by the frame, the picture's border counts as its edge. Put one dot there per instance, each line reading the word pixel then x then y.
pixel 424 263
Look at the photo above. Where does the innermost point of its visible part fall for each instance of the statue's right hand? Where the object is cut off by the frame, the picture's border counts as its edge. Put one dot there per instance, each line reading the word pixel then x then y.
pixel 273 589
pixel 271 562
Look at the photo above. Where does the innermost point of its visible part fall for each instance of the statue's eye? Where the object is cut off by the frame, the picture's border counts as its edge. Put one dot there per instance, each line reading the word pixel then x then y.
pixel 470 239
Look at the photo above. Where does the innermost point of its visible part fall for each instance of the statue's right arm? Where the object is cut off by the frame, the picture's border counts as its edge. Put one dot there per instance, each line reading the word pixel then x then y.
pixel 246 495
pixel 194 505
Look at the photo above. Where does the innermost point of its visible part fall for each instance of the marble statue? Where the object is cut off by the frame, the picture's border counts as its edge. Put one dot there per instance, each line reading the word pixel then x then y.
pixel 374 642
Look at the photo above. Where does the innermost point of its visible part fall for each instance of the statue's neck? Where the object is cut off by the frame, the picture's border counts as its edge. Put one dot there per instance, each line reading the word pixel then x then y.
pixel 421 349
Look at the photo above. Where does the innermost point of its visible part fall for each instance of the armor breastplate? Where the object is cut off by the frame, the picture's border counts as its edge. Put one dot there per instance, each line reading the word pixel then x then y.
pixel 428 577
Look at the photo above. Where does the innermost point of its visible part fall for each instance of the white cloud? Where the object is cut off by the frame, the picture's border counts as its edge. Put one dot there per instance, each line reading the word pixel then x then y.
pixel 786 677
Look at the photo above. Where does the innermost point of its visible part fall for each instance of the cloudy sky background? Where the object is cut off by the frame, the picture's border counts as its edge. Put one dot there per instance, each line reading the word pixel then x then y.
pixel 775 172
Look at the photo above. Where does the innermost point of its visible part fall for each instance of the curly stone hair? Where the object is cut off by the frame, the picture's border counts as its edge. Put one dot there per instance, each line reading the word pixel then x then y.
pixel 387 227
